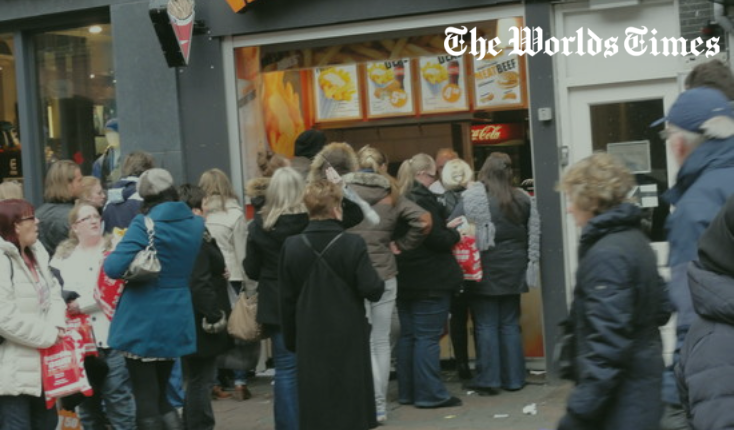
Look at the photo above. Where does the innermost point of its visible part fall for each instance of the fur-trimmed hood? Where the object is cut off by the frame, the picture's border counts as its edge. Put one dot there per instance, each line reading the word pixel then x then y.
pixel 339 155
pixel 255 189
pixel 372 187
pixel 65 248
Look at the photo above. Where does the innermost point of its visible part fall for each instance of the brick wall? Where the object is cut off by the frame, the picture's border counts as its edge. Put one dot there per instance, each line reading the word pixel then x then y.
pixel 694 15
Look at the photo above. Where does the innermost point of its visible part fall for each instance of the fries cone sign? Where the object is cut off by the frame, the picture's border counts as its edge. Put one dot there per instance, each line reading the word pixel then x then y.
pixel 181 13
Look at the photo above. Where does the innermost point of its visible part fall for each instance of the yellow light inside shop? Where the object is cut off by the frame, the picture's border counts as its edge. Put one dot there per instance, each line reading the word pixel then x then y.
pixel 95 29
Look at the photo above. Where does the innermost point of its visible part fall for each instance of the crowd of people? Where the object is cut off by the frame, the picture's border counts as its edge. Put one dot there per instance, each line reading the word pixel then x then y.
pixel 355 270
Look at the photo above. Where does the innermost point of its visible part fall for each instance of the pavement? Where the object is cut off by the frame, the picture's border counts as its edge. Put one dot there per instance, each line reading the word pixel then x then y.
pixel 501 412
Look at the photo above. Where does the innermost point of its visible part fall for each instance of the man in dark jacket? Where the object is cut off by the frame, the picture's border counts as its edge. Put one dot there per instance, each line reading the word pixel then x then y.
pixel 706 365
pixel 700 133
pixel 123 200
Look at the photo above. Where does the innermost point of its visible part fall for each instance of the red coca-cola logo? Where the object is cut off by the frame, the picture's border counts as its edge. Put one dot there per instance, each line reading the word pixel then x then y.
pixel 496 133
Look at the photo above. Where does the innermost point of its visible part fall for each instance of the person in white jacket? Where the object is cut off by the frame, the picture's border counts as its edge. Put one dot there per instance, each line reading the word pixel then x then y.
pixel 32 317
pixel 77 263
pixel 226 222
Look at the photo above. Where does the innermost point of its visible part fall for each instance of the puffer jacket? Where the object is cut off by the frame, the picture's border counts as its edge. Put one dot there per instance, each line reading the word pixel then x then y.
pixel 430 270
pixel 78 273
pixel 705 369
pixel 619 302
pixel 123 203
pixel 375 190
pixel 26 324
pixel 53 226
pixel 229 228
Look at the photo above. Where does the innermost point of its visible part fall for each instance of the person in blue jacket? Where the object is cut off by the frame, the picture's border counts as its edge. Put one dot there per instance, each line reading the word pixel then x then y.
pixel 123 200
pixel 700 134
pixel 154 321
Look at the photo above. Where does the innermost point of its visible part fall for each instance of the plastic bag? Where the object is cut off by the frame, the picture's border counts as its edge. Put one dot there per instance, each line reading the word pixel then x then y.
pixel 108 292
pixel 62 368
pixel 469 258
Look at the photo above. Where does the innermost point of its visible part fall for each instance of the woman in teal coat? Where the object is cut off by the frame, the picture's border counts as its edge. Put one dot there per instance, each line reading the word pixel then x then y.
pixel 154 320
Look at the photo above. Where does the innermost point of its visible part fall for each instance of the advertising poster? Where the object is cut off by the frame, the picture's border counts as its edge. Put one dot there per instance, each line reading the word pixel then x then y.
pixel 389 88
pixel 443 87
pixel 498 81
pixel 336 93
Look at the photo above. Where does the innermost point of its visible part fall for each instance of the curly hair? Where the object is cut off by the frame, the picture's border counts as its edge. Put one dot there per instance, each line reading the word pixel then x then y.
pixel 339 155
pixel 597 183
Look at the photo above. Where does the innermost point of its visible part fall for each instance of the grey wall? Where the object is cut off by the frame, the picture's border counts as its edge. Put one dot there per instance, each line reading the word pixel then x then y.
pixel 538 13
pixel 147 94
pixel 694 15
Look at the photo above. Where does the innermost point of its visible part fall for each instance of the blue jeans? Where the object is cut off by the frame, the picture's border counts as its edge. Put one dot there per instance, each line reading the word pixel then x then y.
pixel 174 391
pixel 500 357
pixel 422 323
pixel 285 387
pixel 117 395
pixel 27 413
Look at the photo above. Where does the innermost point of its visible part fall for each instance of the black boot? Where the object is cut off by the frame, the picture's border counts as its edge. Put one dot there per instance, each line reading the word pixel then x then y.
pixel 152 423
pixel 172 421
pixel 462 367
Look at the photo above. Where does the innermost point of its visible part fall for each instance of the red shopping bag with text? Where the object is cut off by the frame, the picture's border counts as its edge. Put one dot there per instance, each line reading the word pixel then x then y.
pixel 62 368
pixel 108 292
pixel 469 258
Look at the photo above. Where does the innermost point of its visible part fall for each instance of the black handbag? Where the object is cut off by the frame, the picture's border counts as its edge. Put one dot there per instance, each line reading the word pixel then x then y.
pixel 564 352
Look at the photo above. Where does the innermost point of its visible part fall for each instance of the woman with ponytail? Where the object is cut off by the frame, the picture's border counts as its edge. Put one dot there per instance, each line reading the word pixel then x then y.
pixel 380 191
pixel 427 277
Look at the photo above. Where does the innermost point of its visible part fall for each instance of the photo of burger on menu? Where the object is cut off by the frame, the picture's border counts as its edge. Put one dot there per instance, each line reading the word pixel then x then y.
pixel 498 81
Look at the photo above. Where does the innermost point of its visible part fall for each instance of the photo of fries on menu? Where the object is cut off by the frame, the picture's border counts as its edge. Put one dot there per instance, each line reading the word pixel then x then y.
pixel 337 94
pixel 389 88
pixel 443 87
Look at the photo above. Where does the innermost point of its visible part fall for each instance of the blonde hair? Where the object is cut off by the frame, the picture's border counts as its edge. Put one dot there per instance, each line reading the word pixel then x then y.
pixel 136 163
pixel 411 168
pixel 374 159
pixel 58 180
pixel 73 215
pixel 597 183
pixel 283 196
pixel 88 183
pixel 321 197
pixel 269 162
pixel 215 183
pixel 339 155
pixel 10 190
pixel 456 174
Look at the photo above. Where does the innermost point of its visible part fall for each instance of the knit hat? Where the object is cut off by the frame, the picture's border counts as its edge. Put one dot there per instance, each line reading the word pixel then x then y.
pixel 716 246
pixel 154 181
pixel 694 107
pixel 309 143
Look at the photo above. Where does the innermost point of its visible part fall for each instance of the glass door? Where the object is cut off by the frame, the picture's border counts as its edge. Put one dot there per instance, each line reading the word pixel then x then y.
pixel 10 150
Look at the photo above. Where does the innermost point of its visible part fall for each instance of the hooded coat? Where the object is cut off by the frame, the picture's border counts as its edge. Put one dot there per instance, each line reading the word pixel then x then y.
pixel 53 226
pixel 229 228
pixel 619 303
pixel 156 318
pixel 28 322
pixel 123 203
pixel 429 270
pixel 324 323
pixel 375 190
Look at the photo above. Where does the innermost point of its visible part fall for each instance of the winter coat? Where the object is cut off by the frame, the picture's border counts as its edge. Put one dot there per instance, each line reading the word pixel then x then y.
pixel 77 273
pixel 324 323
pixel 53 226
pixel 375 190
pixel 504 264
pixel 261 261
pixel 706 369
pixel 229 228
pixel 210 297
pixel 619 302
pixel 431 269
pixel 26 324
pixel 155 318
pixel 703 183
pixel 123 204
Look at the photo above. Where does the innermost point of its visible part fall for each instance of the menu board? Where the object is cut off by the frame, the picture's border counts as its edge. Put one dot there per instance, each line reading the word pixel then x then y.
pixel 498 81
pixel 336 93
pixel 389 88
pixel 443 86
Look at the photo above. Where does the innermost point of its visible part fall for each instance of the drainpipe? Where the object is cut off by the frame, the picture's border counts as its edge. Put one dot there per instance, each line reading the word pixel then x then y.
pixel 727 25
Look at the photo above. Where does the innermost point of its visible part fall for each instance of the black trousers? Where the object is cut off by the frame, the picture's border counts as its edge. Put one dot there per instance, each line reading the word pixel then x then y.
pixel 149 380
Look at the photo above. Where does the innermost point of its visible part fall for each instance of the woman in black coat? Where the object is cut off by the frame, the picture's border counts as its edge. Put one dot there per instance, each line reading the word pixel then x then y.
pixel 325 276
pixel 427 277
pixel 211 310
pixel 706 366
pixel 619 303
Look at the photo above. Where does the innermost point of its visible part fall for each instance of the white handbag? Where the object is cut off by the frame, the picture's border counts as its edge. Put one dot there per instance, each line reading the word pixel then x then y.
pixel 145 266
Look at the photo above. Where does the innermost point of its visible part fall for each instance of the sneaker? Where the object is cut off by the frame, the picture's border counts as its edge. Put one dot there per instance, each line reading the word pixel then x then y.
pixel 449 403
pixel 241 393
pixel 219 394
pixel 381 417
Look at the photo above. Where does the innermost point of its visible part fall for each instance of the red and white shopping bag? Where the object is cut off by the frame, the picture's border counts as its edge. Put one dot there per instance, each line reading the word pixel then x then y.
pixel 469 258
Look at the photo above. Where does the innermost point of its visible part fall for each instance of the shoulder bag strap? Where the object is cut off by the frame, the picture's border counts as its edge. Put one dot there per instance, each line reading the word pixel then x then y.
pixel 150 227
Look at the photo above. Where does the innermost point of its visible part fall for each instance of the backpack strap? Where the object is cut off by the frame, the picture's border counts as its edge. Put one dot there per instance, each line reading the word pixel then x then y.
pixel 323 251
pixel 12 270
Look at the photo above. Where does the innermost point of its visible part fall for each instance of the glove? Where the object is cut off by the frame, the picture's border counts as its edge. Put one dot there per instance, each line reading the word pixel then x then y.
pixel 217 327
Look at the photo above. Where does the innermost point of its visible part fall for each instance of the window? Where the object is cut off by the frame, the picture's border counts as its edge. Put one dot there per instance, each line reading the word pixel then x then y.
pixel 10 165
pixel 77 98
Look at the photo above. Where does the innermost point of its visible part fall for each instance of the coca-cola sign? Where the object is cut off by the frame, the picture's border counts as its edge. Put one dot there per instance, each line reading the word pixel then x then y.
pixel 494 134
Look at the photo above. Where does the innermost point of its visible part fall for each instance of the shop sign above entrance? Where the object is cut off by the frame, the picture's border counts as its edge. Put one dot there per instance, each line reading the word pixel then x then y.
pixel 173 21
pixel 239 6
pixel 495 134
